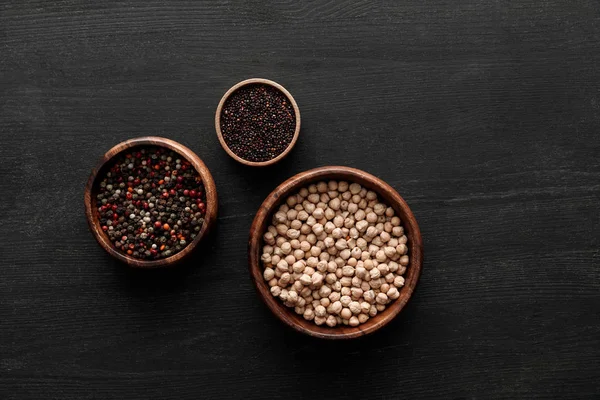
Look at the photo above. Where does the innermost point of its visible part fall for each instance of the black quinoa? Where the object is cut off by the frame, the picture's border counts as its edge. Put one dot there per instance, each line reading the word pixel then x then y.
pixel 258 122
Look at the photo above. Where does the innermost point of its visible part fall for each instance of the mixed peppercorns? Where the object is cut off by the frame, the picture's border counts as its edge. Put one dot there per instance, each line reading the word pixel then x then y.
pixel 335 254
pixel 151 203
pixel 258 122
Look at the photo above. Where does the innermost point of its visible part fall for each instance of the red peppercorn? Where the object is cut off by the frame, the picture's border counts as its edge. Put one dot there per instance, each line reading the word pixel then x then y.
pixel 165 195
pixel 129 196
pixel 157 224
pixel 153 252
pixel 136 181
pixel 114 207
pixel 179 179
pixel 104 228
pixel 186 192
pixel 146 206
pixel 192 193
pixel 172 192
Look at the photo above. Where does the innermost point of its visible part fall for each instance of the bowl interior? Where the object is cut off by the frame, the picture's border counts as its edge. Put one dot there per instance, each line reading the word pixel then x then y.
pixel 385 193
pixel 236 87
pixel 103 167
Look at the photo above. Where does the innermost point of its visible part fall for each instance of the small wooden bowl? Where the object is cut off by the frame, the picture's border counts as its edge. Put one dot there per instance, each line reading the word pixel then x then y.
pixel 254 81
pixel 91 211
pixel 389 196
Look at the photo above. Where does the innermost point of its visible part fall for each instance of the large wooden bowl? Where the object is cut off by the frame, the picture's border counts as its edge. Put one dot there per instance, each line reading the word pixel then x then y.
pixel 389 196
pixel 91 211
pixel 254 81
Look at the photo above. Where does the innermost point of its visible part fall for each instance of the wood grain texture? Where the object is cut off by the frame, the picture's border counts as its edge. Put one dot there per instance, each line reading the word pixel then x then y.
pixel 108 160
pixel 220 110
pixel 483 115
pixel 387 195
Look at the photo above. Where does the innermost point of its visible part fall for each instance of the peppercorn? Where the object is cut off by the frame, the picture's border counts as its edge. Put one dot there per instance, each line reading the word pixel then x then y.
pixel 129 217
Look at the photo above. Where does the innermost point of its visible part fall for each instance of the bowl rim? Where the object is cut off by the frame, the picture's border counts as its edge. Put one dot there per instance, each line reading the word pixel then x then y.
pixel 385 192
pixel 219 110
pixel 189 155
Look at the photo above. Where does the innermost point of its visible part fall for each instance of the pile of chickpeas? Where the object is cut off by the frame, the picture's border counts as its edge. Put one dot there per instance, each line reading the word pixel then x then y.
pixel 335 253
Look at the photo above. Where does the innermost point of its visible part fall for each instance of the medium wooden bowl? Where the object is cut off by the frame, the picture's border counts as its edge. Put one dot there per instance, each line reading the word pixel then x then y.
pixel 91 211
pixel 389 196
pixel 218 121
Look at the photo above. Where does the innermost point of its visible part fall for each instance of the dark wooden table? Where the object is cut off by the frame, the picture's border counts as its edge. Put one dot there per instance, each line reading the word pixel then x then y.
pixel 484 115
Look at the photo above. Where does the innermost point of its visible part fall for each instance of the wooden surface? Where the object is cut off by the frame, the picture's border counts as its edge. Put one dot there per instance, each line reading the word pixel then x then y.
pixel 91 210
pixel 483 115
pixel 387 195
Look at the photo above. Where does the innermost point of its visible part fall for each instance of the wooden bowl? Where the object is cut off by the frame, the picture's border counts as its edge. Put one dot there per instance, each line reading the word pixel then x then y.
pixel 389 196
pixel 91 211
pixel 218 121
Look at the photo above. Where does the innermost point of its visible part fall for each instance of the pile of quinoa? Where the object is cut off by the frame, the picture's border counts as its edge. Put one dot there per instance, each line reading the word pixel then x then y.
pixel 258 122
pixel 151 203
